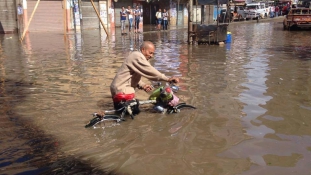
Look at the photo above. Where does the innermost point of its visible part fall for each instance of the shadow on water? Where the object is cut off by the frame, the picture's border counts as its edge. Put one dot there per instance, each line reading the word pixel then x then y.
pixel 297 29
pixel 25 149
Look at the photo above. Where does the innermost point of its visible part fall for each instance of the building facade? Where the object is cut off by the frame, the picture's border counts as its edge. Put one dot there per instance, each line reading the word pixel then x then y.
pixel 66 15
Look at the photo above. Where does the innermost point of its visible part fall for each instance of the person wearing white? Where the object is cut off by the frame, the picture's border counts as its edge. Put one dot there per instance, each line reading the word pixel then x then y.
pixel 130 17
pixel 159 18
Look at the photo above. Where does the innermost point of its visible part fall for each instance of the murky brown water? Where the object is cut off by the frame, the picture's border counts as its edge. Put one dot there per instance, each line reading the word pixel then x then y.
pixel 253 98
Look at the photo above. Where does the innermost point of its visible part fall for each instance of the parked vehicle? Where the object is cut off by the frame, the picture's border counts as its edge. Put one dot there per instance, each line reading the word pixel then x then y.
pixel 238 12
pixel 225 17
pixel 256 11
pixel 297 18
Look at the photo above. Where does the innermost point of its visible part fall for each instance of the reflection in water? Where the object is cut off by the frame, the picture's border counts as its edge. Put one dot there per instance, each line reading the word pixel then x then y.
pixel 252 118
pixel 255 97
pixel 265 71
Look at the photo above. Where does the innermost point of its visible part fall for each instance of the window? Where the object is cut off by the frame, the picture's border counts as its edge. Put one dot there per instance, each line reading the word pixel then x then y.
pixel 305 11
pixel 251 7
pixel 297 12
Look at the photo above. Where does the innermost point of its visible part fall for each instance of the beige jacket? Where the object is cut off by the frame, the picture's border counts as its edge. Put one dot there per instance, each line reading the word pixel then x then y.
pixel 129 74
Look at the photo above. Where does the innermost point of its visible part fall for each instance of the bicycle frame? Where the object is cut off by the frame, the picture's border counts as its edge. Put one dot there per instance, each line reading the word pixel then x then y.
pixel 112 115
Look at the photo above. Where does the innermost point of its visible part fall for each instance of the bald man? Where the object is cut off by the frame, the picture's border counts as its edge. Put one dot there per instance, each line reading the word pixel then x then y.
pixel 128 77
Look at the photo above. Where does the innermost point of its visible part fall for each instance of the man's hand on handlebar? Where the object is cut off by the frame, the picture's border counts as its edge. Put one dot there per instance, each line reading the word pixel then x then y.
pixel 148 88
pixel 173 80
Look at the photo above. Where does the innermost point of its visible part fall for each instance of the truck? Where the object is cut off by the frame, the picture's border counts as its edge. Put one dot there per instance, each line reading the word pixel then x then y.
pixel 256 10
pixel 230 17
pixel 240 13
pixel 297 18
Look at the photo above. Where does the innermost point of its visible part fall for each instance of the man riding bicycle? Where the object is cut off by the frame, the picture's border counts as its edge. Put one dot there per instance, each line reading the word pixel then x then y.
pixel 128 77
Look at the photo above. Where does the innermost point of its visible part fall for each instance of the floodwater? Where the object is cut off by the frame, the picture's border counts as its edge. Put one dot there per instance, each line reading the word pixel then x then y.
pixel 253 100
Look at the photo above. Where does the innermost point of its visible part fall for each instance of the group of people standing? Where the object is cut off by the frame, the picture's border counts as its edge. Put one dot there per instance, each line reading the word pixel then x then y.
pixel 131 15
pixel 274 11
pixel 161 18
pixel 134 15
pixel 280 10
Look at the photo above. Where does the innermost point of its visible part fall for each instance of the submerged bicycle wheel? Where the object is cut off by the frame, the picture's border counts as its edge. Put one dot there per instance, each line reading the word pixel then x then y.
pixel 177 108
pixel 99 118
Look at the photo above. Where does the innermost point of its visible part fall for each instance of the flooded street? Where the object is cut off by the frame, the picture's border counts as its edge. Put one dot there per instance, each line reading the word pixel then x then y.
pixel 253 100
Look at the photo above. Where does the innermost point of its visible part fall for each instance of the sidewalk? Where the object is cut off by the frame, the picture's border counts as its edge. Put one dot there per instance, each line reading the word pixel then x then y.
pixel 147 28
pixel 151 28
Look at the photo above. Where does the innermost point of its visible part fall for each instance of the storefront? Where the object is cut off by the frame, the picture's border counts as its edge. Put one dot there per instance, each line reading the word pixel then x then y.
pixel 52 15
pixel 149 9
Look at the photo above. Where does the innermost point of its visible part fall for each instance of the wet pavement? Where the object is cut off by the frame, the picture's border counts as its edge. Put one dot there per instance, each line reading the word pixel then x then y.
pixel 253 100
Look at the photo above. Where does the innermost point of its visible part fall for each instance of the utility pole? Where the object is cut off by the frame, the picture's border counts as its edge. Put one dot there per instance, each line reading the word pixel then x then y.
pixel 101 21
pixel 190 14
pixel 65 16
pixel 26 28
pixel 177 12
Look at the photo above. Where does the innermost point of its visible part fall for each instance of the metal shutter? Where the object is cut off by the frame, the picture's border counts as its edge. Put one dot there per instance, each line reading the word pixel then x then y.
pixel 48 16
pixel 8 17
pixel 89 16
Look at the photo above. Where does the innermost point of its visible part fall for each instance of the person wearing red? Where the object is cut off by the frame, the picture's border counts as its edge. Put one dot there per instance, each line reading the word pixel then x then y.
pixel 284 10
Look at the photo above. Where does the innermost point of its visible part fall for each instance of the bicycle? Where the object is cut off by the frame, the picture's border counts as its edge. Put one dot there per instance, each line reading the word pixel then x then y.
pixel 131 107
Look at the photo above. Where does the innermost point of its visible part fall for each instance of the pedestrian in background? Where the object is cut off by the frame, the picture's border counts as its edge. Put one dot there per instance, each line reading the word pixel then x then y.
pixel 272 11
pixel 164 16
pixel 156 19
pixel 159 17
pixel 123 19
pixel 137 14
pixel 20 9
pixel 288 8
pixel 277 9
pixel 130 17
pixel 284 10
